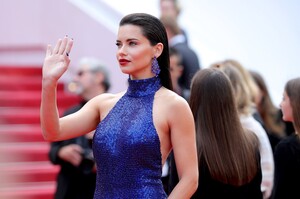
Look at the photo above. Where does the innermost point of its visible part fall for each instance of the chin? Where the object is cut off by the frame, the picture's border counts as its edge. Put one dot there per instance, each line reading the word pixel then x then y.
pixel 287 119
pixel 124 71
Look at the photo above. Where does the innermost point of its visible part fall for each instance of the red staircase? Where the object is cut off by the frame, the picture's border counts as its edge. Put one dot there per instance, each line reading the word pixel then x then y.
pixel 25 170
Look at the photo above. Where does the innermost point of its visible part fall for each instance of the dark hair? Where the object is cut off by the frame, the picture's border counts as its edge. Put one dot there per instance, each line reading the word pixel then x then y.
pixel 292 89
pixel 155 32
pixel 174 51
pixel 230 152
pixel 266 108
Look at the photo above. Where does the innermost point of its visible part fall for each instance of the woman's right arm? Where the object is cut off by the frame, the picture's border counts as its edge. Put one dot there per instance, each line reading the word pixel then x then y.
pixel 54 128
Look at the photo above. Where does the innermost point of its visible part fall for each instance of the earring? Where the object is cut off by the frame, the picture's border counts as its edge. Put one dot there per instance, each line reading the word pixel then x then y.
pixel 155 67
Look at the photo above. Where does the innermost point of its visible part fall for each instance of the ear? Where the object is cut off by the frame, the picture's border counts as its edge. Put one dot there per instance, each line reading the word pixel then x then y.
pixel 158 48
pixel 99 77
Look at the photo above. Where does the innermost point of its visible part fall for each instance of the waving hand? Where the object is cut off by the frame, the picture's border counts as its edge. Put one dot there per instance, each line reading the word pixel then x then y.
pixel 57 59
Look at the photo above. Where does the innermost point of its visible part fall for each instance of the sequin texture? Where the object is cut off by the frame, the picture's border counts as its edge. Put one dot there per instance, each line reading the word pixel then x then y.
pixel 127 147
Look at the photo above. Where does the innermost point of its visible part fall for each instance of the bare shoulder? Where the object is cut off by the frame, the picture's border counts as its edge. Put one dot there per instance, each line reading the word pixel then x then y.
pixel 171 97
pixel 106 98
pixel 171 101
pixel 105 102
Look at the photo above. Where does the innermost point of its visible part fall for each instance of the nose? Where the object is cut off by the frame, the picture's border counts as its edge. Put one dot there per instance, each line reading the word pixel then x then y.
pixel 122 50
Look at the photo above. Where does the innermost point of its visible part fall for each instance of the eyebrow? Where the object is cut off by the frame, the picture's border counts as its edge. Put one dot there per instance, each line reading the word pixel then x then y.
pixel 128 40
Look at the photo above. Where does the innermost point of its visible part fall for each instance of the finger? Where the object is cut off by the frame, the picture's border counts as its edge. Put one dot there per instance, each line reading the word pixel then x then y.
pixel 76 160
pixel 49 50
pixel 57 46
pixel 78 149
pixel 63 45
pixel 69 47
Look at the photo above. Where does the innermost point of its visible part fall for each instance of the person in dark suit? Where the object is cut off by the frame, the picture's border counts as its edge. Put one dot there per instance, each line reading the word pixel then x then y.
pixel 77 176
pixel 189 58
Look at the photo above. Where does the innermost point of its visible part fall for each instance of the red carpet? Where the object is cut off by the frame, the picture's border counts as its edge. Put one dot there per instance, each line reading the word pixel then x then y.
pixel 25 171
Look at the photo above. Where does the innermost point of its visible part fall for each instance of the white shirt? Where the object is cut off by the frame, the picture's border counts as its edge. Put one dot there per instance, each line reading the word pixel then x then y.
pixel 266 153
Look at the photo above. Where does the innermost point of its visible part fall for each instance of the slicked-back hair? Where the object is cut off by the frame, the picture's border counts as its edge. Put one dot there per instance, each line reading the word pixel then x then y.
pixel 230 152
pixel 155 32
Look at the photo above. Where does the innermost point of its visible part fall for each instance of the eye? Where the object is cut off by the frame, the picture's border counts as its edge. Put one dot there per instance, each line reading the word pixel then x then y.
pixel 132 43
pixel 118 44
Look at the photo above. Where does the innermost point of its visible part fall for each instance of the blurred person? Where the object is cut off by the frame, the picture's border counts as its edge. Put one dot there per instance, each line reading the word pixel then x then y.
pixel 245 109
pixel 287 152
pixel 270 114
pixel 249 82
pixel 77 176
pixel 228 155
pixel 135 129
pixel 189 58
pixel 172 8
pixel 253 88
pixel 176 70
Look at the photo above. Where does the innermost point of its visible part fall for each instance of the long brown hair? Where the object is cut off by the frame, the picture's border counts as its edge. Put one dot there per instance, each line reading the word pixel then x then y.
pixel 230 152
pixel 292 89
pixel 266 108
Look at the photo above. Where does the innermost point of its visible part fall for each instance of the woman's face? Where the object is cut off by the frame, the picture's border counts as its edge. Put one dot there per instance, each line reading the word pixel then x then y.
pixel 286 108
pixel 175 68
pixel 135 52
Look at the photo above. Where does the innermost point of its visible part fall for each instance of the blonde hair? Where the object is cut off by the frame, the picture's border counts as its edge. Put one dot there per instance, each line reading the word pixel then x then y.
pixel 241 89
pixel 246 77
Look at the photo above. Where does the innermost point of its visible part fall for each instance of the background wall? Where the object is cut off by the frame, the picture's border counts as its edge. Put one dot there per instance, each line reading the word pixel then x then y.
pixel 32 24
pixel 262 34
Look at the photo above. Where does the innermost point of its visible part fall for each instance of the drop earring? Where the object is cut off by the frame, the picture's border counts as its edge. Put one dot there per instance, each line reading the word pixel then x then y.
pixel 155 67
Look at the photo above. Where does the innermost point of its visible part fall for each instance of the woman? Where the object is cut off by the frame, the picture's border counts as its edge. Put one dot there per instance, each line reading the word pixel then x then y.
pixel 270 114
pixel 135 129
pixel 287 152
pixel 228 155
pixel 246 109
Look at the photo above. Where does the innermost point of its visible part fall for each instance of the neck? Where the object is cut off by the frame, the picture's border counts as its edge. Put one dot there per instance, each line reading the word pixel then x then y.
pixel 143 87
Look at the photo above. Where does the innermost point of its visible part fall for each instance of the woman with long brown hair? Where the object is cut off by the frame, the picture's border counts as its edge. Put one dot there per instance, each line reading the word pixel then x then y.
pixel 228 155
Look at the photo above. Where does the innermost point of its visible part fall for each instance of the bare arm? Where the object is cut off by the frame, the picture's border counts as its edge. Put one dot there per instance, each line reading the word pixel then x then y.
pixel 55 64
pixel 54 128
pixel 185 152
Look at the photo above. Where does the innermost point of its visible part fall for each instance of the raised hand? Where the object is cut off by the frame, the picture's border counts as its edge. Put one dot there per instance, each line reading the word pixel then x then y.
pixel 57 60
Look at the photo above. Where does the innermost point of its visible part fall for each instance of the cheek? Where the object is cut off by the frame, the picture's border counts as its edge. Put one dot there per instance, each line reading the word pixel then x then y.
pixel 287 113
pixel 139 54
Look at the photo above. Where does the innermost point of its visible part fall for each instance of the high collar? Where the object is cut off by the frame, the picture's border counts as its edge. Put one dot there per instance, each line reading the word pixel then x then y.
pixel 143 87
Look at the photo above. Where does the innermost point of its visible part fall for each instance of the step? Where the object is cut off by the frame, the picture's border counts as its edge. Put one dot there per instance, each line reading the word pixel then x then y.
pixel 12 115
pixel 21 172
pixel 21 133
pixel 24 152
pixel 33 99
pixel 40 190
pixel 19 83
pixel 11 70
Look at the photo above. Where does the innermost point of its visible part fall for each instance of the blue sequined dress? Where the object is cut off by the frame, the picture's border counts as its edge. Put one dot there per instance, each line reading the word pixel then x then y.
pixel 127 148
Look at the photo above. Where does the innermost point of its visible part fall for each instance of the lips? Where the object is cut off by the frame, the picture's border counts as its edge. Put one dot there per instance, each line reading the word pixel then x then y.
pixel 123 61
